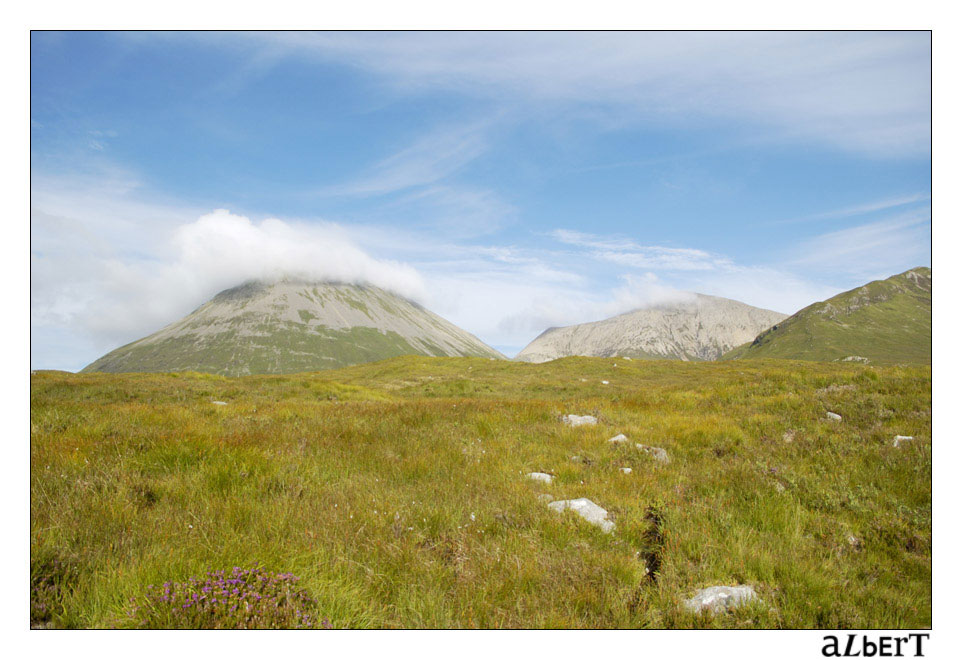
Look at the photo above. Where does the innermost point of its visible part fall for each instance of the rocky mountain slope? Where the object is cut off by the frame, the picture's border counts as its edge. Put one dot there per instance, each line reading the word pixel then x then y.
pixel 292 326
pixel 698 327
pixel 886 321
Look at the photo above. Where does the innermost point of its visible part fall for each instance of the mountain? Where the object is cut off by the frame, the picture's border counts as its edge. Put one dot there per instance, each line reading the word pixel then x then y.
pixel 697 327
pixel 291 326
pixel 885 321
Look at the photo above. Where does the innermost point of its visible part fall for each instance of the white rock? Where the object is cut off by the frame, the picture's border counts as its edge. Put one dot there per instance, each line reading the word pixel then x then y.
pixel 618 438
pixel 579 420
pixel 626 470
pixel 540 476
pixel 604 382
pixel 587 510
pixel 657 453
pixel 716 599
pixel 856 358
pixel 219 403
pixel 626 358
pixel 835 417
pixel 899 439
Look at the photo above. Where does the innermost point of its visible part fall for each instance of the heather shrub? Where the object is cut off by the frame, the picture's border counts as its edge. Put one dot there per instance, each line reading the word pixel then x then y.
pixel 240 599
pixel 49 577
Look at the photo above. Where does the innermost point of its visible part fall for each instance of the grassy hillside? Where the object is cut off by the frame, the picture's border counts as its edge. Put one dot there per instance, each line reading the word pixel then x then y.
pixel 886 321
pixel 395 492
pixel 293 326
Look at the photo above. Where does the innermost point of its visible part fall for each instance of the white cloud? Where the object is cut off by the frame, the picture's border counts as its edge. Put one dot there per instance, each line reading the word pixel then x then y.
pixel 860 209
pixel 108 293
pixel 862 91
pixel 871 250
pixel 429 159
pixel 627 252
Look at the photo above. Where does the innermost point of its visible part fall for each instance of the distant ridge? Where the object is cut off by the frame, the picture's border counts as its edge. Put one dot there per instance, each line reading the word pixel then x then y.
pixel 292 326
pixel 884 322
pixel 698 327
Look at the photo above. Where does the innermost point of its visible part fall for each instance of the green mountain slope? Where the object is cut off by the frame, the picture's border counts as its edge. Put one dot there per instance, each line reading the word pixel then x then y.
pixel 884 322
pixel 292 326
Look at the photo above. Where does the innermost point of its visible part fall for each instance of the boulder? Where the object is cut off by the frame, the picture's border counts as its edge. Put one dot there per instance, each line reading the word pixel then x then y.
pixel 618 438
pixel 835 417
pixel 579 420
pixel 717 599
pixel 657 453
pixel 540 476
pixel 587 510
pixel 626 470
pixel 604 382
pixel 899 439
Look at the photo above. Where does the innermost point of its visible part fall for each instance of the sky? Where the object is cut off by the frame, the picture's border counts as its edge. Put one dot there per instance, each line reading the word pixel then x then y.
pixel 509 182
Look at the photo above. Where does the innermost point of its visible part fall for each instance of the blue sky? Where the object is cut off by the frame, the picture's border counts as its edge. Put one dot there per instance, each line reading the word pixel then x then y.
pixel 508 181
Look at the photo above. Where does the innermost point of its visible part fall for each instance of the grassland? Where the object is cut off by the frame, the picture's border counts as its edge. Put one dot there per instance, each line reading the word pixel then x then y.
pixel 395 491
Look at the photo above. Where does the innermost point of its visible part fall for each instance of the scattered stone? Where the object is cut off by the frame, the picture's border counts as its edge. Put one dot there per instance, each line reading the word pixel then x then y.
pixel 855 358
pixel 587 510
pixel 579 420
pixel 717 599
pixel 545 497
pixel 219 403
pixel 657 453
pixel 835 417
pixel 618 438
pixel 604 382
pixel 540 476
pixel 899 439
pixel 626 358
pixel 832 389
pixel 626 470
pixel 789 435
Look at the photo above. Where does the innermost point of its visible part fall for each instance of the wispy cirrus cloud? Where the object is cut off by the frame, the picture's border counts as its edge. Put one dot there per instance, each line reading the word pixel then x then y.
pixel 627 252
pixel 866 92
pixel 860 209
pixel 426 161
pixel 870 250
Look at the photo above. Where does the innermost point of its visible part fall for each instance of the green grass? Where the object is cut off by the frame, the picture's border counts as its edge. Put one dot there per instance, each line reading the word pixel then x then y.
pixel 363 482
pixel 887 322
